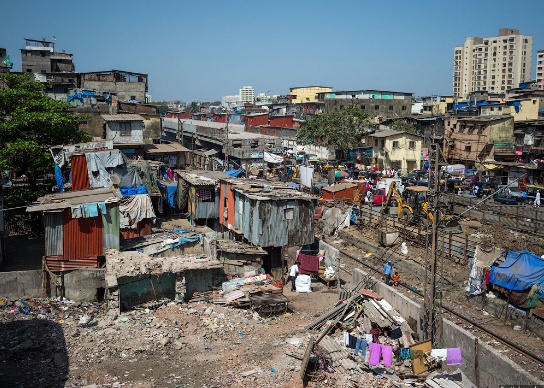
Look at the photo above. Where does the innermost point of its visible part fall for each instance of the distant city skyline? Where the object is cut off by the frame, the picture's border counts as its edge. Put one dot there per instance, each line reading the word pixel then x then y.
pixel 191 53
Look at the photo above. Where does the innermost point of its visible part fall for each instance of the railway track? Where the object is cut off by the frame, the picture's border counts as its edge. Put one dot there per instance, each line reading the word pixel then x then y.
pixel 501 339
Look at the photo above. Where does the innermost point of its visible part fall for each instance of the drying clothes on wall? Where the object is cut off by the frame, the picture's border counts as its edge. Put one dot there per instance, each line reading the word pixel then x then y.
pixel 97 164
pixel 454 356
pixel 308 264
pixel 439 354
pixel 378 351
pixel 205 195
pixel 88 210
pixel 139 208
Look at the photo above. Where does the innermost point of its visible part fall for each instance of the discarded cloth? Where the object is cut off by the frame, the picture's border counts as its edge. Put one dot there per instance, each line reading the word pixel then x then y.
pixel 375 352
pixel 98 162
pixel 454 356
pixel 308 264
pixel 346 338
pixel 352 341
pixel 396 333
pixel 139 208
pixel 387 354
pixel 361 344
pixel 439 354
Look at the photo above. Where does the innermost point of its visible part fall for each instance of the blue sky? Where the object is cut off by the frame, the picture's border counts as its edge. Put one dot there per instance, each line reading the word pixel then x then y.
pixel 205 50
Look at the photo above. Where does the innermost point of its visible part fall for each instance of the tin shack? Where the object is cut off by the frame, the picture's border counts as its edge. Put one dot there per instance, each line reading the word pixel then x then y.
pixel 341 191
pixel 79 226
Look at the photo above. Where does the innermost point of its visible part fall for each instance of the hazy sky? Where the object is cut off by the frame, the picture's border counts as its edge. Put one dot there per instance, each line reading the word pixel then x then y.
pixel 202 50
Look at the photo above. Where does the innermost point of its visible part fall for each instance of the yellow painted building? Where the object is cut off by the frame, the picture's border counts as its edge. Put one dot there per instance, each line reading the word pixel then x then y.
pixel 528 109
pixel 397 149
pixel 308 93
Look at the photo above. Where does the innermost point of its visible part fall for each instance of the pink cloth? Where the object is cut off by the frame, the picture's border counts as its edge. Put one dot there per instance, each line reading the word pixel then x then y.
pixel 387 354
pixel 454 356
pixel 375 352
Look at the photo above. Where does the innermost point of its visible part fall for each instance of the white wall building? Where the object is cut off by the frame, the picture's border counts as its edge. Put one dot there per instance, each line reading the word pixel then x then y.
pixel 247 95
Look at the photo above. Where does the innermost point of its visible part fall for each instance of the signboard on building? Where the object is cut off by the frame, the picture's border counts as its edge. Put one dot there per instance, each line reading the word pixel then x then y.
pixel 424 154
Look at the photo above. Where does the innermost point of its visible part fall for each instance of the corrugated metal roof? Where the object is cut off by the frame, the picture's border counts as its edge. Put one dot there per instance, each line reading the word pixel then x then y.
pixel 202 178
pixel 388 133
pixel 340 187
pixel 67 199
pixel 123 117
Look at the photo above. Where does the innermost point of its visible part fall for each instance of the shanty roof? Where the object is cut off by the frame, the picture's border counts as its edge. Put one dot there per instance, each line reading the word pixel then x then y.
pixel 485 118
pixel 269 193
pixel 202 178
pixel 123 117
pixel 59 201
pixel 239 247
pixel 340 187
pixel 164 148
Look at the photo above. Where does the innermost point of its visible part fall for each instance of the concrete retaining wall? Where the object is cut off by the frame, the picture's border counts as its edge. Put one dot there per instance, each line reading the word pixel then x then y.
pixel 494 369
pixel 80 285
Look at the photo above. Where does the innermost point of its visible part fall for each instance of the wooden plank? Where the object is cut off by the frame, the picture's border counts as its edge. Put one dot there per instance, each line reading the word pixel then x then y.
pixel 417 365
pixel 306 358
pixel 371 294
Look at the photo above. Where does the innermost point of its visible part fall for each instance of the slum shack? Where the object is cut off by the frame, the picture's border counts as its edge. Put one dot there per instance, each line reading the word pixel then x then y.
pixel 198 193
pixel 271 217
pixel 135 216
pixel 341 191
pixel 171 154
pixel 237 257
pixel 134 278
pixel 79 226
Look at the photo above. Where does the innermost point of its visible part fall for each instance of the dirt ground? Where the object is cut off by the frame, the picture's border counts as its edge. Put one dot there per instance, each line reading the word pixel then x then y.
pixel 176 345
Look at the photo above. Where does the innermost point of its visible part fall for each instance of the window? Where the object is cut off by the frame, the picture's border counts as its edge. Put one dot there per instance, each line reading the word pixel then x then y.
pixel 289 213
pixel 363 107
pixel 390 107
pixel 83 122
pixel 468 148
pixel 375 142
pixel 383 143
pixel 395 144
pixel 376 107
pixel 412 145
pixel 42 53
pixel 29 70
pixel 404 107
pixel 125 129
pixel 133 97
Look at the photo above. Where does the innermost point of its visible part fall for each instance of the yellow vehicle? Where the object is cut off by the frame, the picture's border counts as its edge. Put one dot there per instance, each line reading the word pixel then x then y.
pixel 532 189
pixel 362 174
pixel 413 206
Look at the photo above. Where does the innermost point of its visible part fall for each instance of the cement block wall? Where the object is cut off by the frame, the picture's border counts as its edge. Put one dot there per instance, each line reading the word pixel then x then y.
pixel 125 90
pixel 80 285
pixel 136 136
pixel 494 369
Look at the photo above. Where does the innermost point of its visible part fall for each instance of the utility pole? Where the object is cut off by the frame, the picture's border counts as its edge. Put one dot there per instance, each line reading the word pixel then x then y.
pixel 264 173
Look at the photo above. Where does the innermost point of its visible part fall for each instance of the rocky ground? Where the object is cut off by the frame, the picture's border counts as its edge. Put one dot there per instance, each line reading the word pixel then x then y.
pixel 174 345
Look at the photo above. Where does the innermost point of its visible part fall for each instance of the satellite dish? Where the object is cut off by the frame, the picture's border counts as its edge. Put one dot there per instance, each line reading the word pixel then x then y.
pixel 115 179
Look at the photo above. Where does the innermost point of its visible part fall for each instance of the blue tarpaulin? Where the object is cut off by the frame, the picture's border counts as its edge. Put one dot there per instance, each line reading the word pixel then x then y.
pixel 515 104
pixel 522 85
pixel 519 272
pixel 134 190
pixel 235 173
pixel 185 240
pixel 59 178
pixel 169 195
pixel 293 184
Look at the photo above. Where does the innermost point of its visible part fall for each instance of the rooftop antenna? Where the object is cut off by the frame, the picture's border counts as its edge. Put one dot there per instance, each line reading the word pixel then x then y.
pixel 54 39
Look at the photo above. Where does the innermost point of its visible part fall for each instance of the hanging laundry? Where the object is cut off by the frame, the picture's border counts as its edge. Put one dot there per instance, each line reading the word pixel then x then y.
pixel 454 356
pixel 352 341
pixel 387 354
pixel 368 338
pixel 396 333
pixel 361 344
pixel 439 354
pixel 90 210
pixel 375 352
pixel 405 354
pixel 375 335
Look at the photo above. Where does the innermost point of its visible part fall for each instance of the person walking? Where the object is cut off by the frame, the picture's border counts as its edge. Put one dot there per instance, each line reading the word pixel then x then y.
pixel 523 197
pixel 537 199
pixel 293 272
pixel 460 191
pixel 387 269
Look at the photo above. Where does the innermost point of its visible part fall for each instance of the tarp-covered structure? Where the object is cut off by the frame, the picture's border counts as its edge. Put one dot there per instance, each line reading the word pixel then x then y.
pixel 520 271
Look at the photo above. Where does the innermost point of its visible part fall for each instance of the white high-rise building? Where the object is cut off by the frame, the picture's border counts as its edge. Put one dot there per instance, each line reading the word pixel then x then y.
pixel 539 68
pixel 247 95
pixel 493 64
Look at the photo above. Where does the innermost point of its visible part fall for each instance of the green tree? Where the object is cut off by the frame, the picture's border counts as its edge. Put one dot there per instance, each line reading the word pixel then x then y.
pixel 341 129
pixel 194 107
pixel 402 125
pixel 31 122
pixel 162 107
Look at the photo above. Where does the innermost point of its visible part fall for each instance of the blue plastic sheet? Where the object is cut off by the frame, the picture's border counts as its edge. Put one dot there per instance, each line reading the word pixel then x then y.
pixel 519 272
pixel 60 178
pixel 235 173
pixel 185 240
pixel 134 190
pixel 169 195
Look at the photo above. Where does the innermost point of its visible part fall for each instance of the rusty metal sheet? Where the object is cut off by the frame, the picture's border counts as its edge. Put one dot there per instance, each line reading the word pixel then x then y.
pixel 80 175
pixel 82 236
pixel 143 229
pixel 59 264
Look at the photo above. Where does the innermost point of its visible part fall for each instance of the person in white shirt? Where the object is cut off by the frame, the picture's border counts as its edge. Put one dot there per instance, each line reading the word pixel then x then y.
pixel 293 272
pixel 537 199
